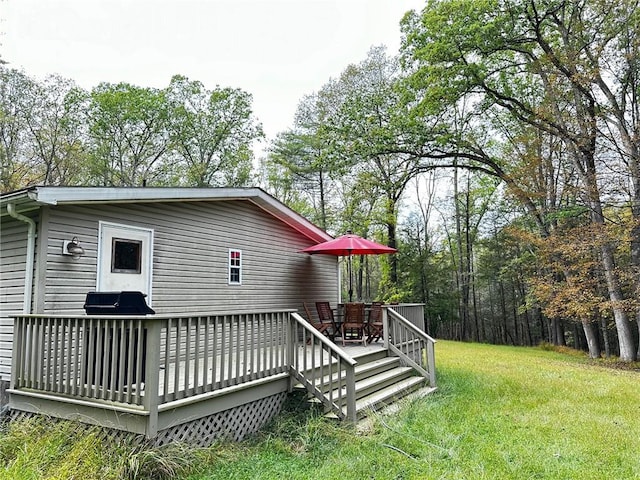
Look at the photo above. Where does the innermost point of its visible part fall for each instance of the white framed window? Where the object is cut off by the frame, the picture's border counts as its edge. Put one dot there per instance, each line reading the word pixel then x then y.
pixel 235 267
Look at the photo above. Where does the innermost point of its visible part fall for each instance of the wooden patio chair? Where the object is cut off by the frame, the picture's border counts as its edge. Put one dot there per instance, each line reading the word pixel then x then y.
pixel 326 329
pixel 353 327
pixel 374 325
pixel 325 324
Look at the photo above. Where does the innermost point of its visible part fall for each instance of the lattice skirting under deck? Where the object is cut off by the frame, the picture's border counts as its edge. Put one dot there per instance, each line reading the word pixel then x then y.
pixel 234 424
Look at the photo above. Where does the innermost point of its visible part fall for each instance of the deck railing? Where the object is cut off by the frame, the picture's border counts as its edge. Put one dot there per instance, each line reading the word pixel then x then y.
pixel 141 363
pixel 205 353
pixel 145 365
pixel 413 312
pixel 410 343
pixel 324 369
pixel 94 358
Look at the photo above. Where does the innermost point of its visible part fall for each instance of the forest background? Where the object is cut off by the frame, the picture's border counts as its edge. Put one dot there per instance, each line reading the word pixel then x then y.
pixel 513 127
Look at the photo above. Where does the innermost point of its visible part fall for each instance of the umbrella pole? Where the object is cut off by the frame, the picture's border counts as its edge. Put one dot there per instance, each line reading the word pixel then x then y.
pixel 350 280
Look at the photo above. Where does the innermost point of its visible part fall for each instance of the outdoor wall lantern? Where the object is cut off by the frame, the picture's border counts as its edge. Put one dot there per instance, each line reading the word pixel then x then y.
pixel 72 247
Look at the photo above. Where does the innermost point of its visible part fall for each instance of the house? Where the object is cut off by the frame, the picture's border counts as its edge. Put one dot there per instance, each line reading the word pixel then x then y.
pixel 221 269
pixel 183 240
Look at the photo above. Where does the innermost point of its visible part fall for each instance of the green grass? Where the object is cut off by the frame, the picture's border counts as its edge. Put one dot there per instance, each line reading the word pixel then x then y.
pixel 499 413
pixel 35 448
pixel 43 448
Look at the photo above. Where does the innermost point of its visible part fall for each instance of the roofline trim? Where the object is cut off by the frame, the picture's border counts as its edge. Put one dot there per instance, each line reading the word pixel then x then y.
pixel 98 195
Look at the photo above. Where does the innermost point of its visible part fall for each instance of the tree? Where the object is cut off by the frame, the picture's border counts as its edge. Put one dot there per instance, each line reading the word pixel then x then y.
pixel 306 153
pixel 370 117
pixel 569 255
pixel 57 130
pixel 213 132
pixel 15 171
pixel 497 55
pixel 129 130
pixel 42 129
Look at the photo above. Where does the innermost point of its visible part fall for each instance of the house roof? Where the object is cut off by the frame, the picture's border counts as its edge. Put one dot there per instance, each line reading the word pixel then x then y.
pixel 35 197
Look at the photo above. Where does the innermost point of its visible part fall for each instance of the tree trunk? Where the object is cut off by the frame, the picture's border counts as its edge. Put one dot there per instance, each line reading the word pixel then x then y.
pixel 391 233
pixel 527 323
pixel 592 339
pixel 477 307
pixel 503 305
pixel 515 314
pixel 623 326
pixel 494 337
pixel 542 324
pixel 558 333
pixel 360 279
pixel 461 271
pixel 323 205
pixel 638 322
pixel 605 337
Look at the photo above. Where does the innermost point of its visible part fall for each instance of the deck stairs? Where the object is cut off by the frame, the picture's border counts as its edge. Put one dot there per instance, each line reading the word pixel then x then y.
pixel 380 381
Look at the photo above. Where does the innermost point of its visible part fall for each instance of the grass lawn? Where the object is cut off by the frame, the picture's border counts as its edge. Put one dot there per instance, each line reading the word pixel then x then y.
pixel 499 413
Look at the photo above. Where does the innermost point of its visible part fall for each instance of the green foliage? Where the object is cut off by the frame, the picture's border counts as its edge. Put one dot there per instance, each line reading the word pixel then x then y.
pixel 128 129
pixel 162 463
pixel 54 133
pixel 212 132
pixel 42 130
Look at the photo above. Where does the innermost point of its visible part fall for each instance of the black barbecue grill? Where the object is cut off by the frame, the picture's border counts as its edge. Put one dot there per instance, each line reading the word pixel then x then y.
pixel 111 337
pixel 117 303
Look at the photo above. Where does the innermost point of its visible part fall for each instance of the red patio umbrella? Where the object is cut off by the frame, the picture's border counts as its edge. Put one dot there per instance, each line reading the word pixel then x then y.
pixel 347 245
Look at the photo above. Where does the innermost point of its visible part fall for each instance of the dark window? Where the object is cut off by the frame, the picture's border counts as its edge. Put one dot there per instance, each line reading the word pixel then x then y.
pixel 126 256
pixel 235 267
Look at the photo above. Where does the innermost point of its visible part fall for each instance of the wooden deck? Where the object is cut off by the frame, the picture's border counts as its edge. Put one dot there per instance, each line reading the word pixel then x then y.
pixel 150 375
pixel 180 371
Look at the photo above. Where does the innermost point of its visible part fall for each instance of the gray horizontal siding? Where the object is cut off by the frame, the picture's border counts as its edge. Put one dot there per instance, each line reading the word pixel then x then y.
pixel 191 243
pixel 13 250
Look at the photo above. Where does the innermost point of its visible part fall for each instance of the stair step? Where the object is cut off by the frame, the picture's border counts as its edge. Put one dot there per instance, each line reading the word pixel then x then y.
pixel 380 380
pixel 362 371
pixel 367 357
pixel 388 394
pixel 377 382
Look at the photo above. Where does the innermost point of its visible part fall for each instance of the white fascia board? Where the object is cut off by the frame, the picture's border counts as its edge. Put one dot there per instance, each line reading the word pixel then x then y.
pixel 283 213
pixel 95 195
pixel 78 195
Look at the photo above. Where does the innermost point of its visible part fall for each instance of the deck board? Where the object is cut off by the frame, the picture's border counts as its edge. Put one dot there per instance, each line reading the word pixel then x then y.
pixel 168 371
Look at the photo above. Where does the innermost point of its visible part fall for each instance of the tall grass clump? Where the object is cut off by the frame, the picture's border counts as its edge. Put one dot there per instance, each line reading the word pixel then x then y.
pixel 35 448
pixel 43 448
pixel 161 463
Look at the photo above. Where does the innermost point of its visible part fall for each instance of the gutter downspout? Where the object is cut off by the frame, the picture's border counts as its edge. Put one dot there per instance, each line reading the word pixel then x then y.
pixel 31 249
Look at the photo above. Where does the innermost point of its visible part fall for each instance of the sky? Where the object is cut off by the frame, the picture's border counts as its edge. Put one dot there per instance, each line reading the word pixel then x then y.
pixel 278 51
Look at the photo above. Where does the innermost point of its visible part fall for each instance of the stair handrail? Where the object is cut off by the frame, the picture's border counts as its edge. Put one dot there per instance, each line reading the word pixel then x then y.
pixel 312 338
pixel 394 323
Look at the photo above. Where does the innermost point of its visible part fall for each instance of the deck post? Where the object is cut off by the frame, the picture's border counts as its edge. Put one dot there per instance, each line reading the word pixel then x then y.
pixel 152 369
pixel 431 358
pixel 17 354
pixel 291 343
pixel 352 415
pixel 385 328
